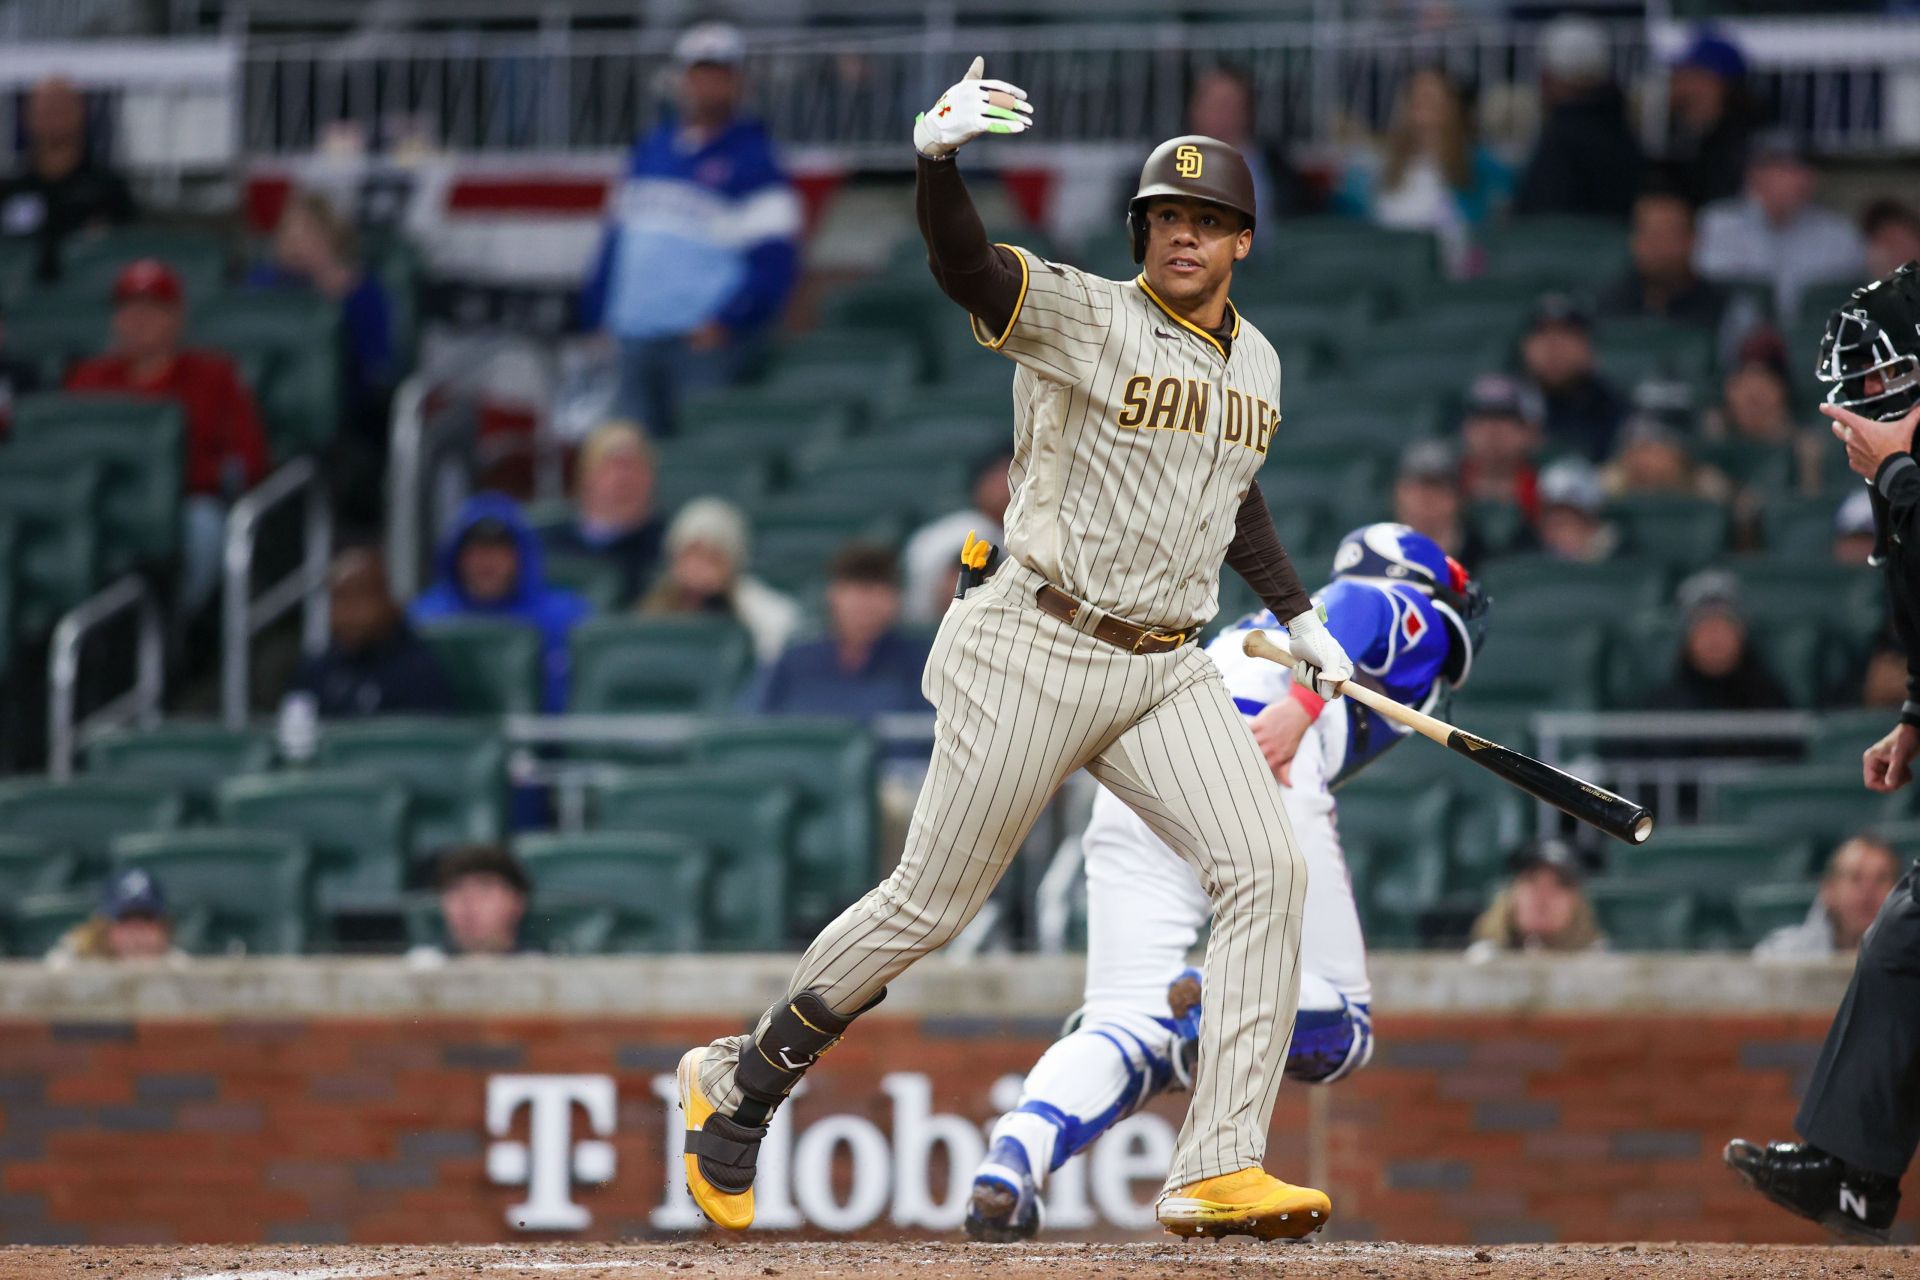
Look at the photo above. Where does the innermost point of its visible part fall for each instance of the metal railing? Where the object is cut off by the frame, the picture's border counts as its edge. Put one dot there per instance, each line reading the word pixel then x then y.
pixel 244 614
pixel 138 705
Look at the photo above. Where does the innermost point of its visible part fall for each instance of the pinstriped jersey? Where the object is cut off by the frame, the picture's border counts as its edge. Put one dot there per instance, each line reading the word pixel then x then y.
pixel 1136 435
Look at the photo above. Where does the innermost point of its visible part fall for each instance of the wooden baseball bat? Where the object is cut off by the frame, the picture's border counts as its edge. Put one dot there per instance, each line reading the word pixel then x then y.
pixel 1616 815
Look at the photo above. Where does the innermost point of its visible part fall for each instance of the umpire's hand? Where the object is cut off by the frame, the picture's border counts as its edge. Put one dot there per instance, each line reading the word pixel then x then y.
pixel 1871 442
pixel 969 109
pixel 1888 763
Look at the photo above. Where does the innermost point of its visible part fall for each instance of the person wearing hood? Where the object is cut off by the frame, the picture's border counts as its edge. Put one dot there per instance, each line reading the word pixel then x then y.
pixel 1586 162
pixel 1718 669
pixel 491 566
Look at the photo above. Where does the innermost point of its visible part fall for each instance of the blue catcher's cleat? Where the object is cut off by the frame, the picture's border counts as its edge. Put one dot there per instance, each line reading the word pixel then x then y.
pixel 1004 1207
pixel 1183 1001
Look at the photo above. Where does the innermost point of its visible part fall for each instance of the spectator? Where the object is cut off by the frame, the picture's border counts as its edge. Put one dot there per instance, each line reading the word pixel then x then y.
pixel 132 924
pixel 1586 160
pixel 1431 174
pixel 1653 459
pixel 317 250
pixel 375 663
pixel 614 519
pixel 62 191
pixel 1426 497
pixel 1571 502
pixel 864 666
pixel 1221 106
pixel 1543 907
pixel 1499 436
pixel 1775 233
pixel 483 905
pixel 1581 409
pixel 18 377
pixel 226 450
pixel 490 566
pixel 1711 117
pixel 1859 876
pixel 701 251
pixel 1717 670
pixel 1853 533
pixel 1661 283
pixel 1892 233
pixel 706 573
pixel 932 556
pixel 1755 404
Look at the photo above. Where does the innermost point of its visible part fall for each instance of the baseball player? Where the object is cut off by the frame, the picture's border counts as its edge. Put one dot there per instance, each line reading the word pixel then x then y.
pixel 1142 410
pixel 1412 620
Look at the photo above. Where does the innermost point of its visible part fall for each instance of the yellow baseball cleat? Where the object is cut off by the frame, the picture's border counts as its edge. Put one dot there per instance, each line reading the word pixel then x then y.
pixel 719 1152
pixel 1251 1202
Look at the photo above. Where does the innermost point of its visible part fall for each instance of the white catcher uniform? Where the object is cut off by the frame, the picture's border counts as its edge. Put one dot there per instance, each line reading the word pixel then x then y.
pixel 1146 909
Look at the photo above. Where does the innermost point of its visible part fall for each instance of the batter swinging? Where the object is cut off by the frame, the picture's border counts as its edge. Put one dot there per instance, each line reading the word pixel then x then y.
pixel 1142 408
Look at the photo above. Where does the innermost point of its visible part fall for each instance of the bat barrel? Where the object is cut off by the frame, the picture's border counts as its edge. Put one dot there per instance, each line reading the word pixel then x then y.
pixel 1596 806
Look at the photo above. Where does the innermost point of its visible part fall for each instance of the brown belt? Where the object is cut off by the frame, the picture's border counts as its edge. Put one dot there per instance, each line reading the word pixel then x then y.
pixel 1117 632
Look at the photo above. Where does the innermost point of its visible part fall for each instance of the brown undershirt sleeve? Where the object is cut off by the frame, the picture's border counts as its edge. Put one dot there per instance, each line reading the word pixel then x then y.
pixel 1257 556
pixel 979 275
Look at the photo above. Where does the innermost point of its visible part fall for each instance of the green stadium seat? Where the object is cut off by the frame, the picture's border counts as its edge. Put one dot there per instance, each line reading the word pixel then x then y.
pixel 53 512
pixel 1851 597
pixel 494 665
pixel 768 422
pixel 1633 351
pixel 1541 588
pixel 1799 528
pixel 228 891
pixel 593 579
pixel 909 307
pixel 1681 532
pixel 85 817
pixel 454 771
pixel 1841 737
pixel 1396 831
pixel 30 864
pixel 832 765
pixel 1768 468
pixel 90 264
pixel 1333 250
pixel 19 260
pixel 37 922
pixel 747 824
pixel 1822 802
pixel 194 757
pixel 689 469
pixel 292 341
pixel 1759 909
pixel 1557 252
pixel 879 365
pixel 8 610
pixel 690 664
pixel 1712 858
pixel 354 824
pixel 600 892
pixel 903 477
pixel 57 330
pixel 137 444
pixel 792 547
pixel 1539 664
pixel 1642 916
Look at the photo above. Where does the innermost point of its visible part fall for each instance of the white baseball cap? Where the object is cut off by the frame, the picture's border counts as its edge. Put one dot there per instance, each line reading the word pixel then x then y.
pixel 710 42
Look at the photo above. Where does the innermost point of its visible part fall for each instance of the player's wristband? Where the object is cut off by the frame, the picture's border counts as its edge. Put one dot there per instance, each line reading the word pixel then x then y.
pixel 1310 702
pixel 1910 713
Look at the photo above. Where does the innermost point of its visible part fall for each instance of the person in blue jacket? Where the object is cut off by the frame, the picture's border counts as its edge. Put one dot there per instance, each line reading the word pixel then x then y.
pixel 490 565
pixel 701 247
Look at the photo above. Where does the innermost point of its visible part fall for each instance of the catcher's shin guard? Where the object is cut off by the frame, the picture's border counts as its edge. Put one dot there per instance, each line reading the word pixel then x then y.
pixel 721 1150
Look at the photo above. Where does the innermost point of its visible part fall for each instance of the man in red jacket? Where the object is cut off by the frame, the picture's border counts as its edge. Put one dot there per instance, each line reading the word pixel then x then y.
pixel 226 450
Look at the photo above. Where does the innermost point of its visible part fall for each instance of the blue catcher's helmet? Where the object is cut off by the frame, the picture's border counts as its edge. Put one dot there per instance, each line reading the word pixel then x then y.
pixel 1388 552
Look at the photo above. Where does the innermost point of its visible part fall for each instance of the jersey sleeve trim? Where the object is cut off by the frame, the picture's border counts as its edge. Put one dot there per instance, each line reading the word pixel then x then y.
pixel 1186 324
pixel 1026 277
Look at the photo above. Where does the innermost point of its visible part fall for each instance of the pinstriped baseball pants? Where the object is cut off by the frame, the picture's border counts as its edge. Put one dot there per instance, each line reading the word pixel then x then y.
pixel 1023 700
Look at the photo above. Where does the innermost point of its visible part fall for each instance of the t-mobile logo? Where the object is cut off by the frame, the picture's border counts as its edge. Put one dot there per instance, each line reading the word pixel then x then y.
pixel 549 1162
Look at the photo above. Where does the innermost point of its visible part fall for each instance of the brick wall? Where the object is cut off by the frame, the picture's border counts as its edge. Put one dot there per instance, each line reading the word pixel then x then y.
pixel 1466 1127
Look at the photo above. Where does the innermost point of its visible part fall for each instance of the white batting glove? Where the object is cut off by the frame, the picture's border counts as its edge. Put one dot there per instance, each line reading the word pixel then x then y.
pixel 969 109
pixel 1319 661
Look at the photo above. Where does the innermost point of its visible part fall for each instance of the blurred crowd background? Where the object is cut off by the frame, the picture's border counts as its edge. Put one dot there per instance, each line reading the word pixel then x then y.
pixel 481 477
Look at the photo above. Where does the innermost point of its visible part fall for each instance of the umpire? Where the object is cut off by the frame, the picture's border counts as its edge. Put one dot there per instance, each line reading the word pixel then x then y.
pixel 1861 1116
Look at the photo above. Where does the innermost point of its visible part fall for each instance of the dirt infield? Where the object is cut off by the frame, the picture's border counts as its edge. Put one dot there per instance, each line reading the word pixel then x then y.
pixel 937 1261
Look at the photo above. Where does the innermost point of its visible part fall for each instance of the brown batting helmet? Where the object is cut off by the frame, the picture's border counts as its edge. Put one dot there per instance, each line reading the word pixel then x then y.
pixel 1195 166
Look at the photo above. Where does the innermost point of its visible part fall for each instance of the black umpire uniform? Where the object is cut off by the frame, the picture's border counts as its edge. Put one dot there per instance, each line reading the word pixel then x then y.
pixel 1861 1115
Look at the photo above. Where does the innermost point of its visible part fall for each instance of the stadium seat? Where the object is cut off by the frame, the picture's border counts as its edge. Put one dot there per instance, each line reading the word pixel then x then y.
pixel 1799 528
pixel 747 825
pixel 37 922
pixel 792 548
pixel 53 510
pixel 593 579
pixel 606 891
pixel 832 765
pixel 454 771
pixel 1852 598
pixel 1681 532
pixel 90 264
pixel 1557 252
pixel 688 469
pixel 494 665
pixel 137 445
pixel 879 366
pixel 1841 736
pixel 1396 831
pixel 31 864
pixel 1759 909
pixel 1768 468
pixel 1712 858
pixel 1634 351
pixel 85 817
pixel 1536 663
pixel 228 890
pixel 1644 916
pixel 1825 803
pixel 293 340
pixel 354 825
pixel 56 330
pixel 193 756
pixel 761 422
pixel 694 664
pixel 1539 588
